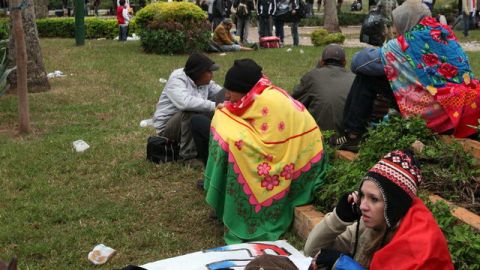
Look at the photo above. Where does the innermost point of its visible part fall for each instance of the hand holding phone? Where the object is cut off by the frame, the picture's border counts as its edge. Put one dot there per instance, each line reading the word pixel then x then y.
pixel 347 208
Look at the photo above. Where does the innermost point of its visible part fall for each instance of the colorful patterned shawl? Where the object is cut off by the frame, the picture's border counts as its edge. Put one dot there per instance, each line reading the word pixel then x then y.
pixel 430 76
pixel 264 159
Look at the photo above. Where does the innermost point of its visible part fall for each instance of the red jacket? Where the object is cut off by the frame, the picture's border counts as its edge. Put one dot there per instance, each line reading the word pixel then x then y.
pixel 120 18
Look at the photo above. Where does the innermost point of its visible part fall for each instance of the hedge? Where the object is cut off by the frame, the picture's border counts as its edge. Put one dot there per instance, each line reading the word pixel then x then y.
pixel 65 28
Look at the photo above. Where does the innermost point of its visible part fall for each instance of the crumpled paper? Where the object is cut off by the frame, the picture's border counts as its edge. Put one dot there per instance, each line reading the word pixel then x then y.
pixel 55 74
pixel 101 254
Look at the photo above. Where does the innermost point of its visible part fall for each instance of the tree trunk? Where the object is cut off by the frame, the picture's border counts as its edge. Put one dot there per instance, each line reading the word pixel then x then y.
pixel 330 17
pixel 21 56
pixel 36 76
pixel 41 9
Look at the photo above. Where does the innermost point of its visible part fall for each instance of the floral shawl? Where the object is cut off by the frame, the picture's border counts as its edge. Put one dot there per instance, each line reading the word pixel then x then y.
pixel 271 144
pixel 430 76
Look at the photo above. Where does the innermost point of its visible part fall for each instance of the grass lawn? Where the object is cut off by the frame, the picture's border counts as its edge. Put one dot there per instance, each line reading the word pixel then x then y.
pixel 56 204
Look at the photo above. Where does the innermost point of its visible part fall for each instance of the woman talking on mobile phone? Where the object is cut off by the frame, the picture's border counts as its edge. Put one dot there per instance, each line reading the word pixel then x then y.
pixel 384 225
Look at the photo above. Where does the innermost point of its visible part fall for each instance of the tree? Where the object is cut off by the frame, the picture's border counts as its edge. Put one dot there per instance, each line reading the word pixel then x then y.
pixel 21 57
pixel 331 19
pixel 37 77
pixel 41 8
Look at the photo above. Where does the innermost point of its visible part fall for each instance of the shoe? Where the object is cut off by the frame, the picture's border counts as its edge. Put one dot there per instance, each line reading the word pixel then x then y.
pixel 347 143
pixel 254 46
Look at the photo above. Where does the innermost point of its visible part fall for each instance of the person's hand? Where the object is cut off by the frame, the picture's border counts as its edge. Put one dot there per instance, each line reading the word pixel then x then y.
pixel 347 207
pixel 294 12
pixel 324 258
pixel 220 106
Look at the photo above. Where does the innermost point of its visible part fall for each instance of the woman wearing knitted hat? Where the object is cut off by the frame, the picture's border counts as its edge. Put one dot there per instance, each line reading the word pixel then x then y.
pixel 393 228
pixel 265 156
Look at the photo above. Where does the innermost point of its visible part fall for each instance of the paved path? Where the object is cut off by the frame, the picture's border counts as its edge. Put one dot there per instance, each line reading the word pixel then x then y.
pixel 349 31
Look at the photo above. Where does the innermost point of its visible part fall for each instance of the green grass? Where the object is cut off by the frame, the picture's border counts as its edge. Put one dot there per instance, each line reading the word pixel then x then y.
pixel 56 204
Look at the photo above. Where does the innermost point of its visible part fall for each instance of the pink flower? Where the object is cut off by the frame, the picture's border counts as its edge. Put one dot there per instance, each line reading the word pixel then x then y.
pixel 287 171
pixel 263 169
pixel 391 72
pixel 270 181
pixel 281 126
pixel 268 157
pixel 390 57
pixel 239 144
pixel 429 21
pixel 264 127
pixel 264 111
pixel 448 70
pixel 437 36
pixel 430 59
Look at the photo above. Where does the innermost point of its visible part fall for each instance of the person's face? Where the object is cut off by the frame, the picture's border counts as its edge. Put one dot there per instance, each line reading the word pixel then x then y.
pixel 233 96
pixel 372 206
pixel 228 27
pixel 205 78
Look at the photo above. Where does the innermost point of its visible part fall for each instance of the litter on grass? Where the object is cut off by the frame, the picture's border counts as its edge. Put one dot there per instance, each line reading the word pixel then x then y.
pixel 146 123
pixel 162 80
pixel 101 254
pixel 80 145
pixel 55 74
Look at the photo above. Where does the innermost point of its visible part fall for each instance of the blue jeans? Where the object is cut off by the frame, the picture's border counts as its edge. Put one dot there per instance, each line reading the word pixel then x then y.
pixel 123 33
pixel 280 33
pixel 466 23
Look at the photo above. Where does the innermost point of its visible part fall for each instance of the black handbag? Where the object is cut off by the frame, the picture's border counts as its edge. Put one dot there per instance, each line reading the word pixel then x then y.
pixel 161 149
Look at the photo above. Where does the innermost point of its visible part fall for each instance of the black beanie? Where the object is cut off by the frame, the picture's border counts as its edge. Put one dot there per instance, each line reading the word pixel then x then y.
pixel 243 76
pixel 397 175
pixel 198 63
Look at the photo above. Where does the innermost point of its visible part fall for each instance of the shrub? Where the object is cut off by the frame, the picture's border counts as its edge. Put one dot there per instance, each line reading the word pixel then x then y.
pixel 4 29
pixel 321 37
pixel 65 28
pixel 343 19
pixel 170 28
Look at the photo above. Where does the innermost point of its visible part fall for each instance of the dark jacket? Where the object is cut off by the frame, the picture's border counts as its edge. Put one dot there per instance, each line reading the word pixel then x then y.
pixel 367 62
pixel 324 91
pixel 266 8
pixel 219 9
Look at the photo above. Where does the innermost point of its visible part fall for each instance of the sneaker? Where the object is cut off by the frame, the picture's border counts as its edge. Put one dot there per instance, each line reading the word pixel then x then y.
pixel 347 143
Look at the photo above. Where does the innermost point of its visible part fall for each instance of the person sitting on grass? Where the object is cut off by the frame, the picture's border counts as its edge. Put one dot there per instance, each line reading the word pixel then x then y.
pixel 324 89
pixel 265 157
pixel 427 73
pixel 384 225
pixel 189 91
pixel 224 39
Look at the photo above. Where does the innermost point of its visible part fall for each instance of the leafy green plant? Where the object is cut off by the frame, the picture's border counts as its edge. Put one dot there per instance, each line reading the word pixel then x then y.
pixel 321 37
pixel 173 28
pixel 463 242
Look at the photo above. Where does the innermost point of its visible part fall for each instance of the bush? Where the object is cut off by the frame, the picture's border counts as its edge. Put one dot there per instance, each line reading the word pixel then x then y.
pixel 171 28
pixel 4 29
pixel 343 19
pixel 65 28
pixel 321 37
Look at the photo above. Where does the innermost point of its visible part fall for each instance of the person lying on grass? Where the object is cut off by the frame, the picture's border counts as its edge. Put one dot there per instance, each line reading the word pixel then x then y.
pixel 384 225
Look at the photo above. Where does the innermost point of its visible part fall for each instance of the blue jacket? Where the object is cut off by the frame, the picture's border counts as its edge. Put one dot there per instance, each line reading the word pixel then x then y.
pixel 367 62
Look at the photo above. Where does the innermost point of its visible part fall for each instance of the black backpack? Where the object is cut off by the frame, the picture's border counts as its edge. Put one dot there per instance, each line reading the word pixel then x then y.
pixel 161 149
pixel 373 29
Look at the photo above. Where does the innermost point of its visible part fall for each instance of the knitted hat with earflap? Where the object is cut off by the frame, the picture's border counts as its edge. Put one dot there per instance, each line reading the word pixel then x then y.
pixel 398 176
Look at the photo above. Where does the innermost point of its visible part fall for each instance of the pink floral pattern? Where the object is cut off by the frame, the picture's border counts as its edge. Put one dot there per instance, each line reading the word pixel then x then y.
pixel 287 171
pixel 263 169
pixel 281 126
pixel 264 127
pixel 268 157
pixel 239 144
pixel 265 111
pixel 270 181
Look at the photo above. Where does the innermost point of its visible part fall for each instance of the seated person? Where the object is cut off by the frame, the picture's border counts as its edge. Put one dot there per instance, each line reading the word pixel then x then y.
pixel 383 226
pixel 224 39
pixel 325 88
pixel 188 91
pixel 265 157
pixel 425 71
